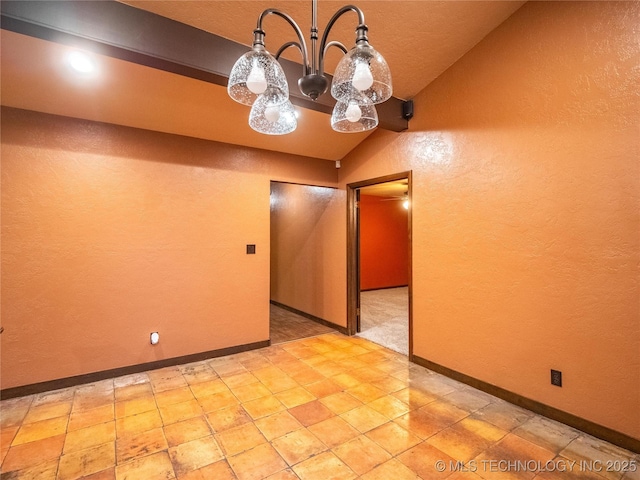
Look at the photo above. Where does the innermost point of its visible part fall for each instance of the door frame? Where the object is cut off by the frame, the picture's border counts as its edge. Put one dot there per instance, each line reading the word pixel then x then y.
pixel 353 243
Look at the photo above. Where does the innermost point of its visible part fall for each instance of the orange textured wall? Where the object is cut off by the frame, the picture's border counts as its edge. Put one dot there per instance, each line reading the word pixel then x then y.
pixel 384 243
pixel 110 233
pixel 307 263
pixel 525 209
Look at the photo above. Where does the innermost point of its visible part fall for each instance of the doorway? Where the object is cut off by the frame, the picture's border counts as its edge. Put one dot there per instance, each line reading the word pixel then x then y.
pixel 379 292
pixel 302 248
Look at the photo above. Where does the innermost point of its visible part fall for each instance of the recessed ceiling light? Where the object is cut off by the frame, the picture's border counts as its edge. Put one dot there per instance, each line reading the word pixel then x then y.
pixel 81 62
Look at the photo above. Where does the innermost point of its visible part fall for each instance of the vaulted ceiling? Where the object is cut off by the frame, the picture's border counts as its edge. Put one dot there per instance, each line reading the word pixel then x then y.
pixel 419 40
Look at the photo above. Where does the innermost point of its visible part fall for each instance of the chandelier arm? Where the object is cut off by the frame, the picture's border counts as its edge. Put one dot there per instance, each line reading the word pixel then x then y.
pixel 302 45
pixel 285 46
pixel 334 43
pixel 361 29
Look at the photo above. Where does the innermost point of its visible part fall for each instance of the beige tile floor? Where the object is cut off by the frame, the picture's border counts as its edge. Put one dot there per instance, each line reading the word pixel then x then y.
pixel 327 407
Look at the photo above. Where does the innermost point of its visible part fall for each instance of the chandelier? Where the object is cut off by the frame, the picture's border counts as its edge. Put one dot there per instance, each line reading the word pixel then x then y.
pixel 361 78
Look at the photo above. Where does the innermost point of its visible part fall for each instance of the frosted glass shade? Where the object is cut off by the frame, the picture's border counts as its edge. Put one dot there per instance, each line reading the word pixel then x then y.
pixel 343 118
pixel 362 72
pixel 272 116
pixel 252 74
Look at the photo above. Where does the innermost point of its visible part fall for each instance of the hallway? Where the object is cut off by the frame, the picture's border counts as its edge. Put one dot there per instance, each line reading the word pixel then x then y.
pixel 325 407
pixel 286 326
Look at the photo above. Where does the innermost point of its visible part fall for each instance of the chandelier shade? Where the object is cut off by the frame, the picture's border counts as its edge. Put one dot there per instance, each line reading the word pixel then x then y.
pixel 253 73
pixel 354 118
pixel 271 115
pixel 362 75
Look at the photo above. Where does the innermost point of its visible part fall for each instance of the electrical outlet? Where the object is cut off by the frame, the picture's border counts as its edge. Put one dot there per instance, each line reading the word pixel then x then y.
pixel 556 378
